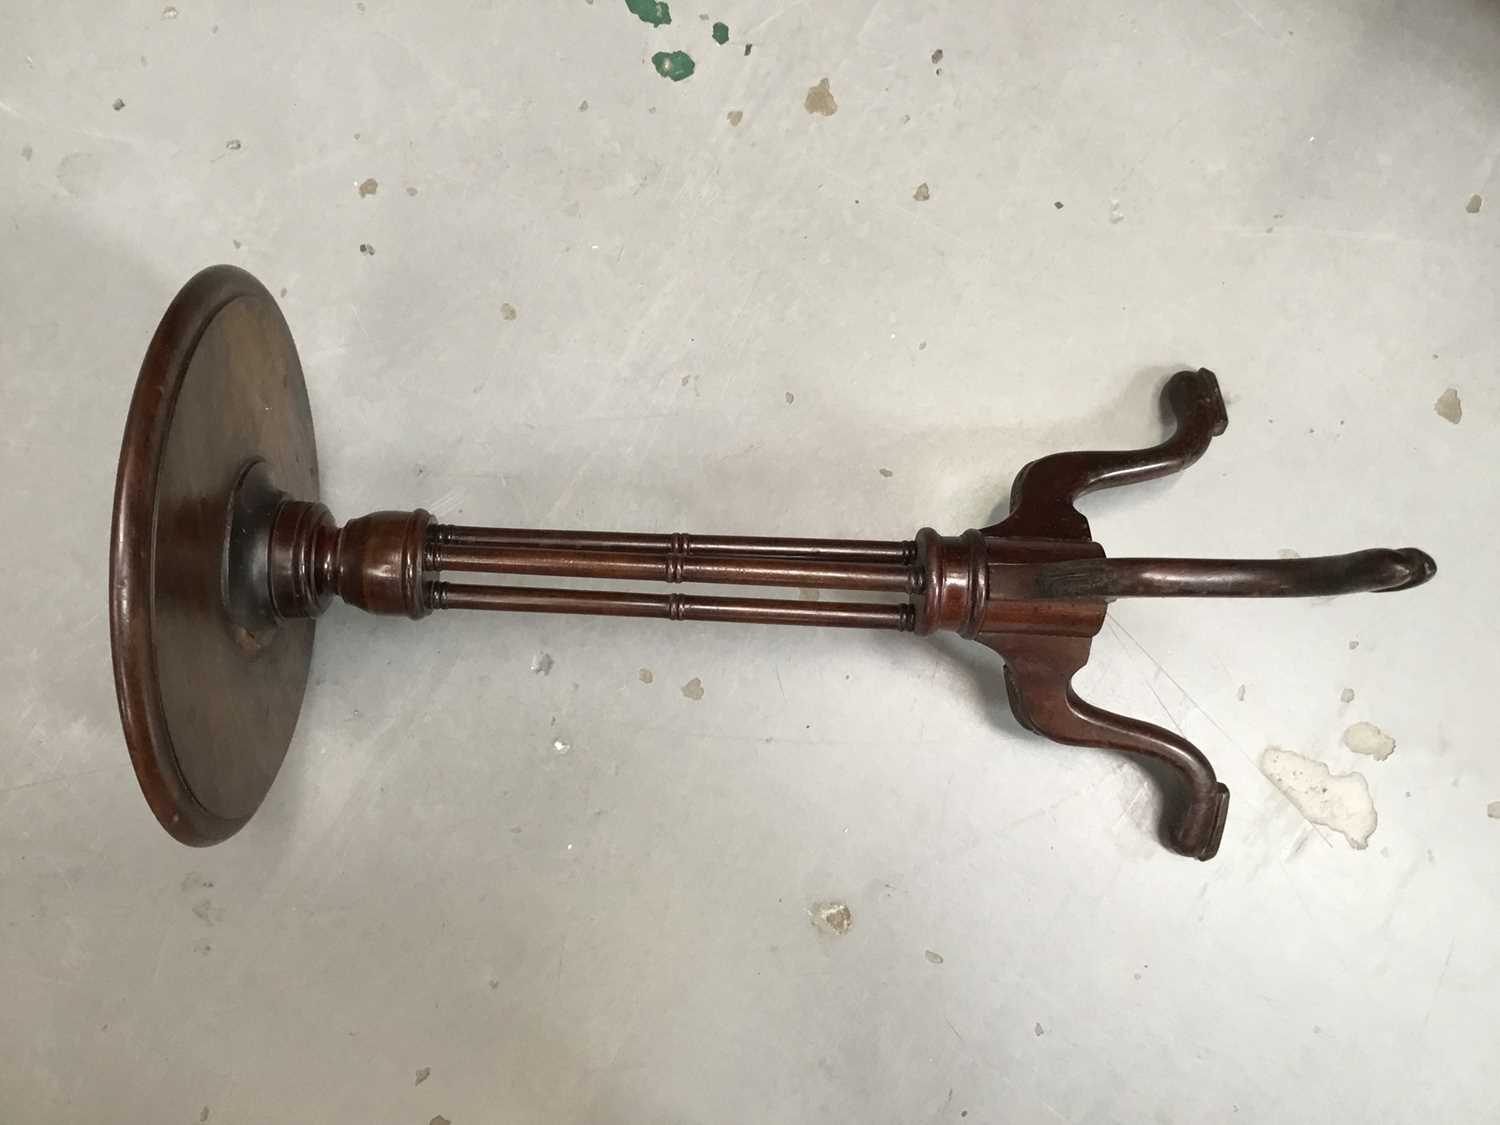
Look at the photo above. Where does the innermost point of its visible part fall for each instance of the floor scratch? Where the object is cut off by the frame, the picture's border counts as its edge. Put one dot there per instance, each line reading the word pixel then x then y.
pixel 1120 629
pixel 62 777
pixel 1442 976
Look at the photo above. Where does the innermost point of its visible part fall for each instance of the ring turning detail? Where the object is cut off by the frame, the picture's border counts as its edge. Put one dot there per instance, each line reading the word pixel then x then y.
pixel 222 559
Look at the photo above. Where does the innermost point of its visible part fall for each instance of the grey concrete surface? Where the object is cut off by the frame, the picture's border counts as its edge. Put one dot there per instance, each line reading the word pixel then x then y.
pixel 599 297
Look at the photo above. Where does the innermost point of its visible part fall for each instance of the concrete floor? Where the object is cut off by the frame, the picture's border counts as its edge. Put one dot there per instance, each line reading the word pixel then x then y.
pixel 598 297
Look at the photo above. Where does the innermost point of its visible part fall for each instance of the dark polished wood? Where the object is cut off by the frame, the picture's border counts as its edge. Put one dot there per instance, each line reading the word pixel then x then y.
pixel 686 546
pixel 209 679
pixel 668 566
pixel 222 558
pixel 1378 570
pixel 673 607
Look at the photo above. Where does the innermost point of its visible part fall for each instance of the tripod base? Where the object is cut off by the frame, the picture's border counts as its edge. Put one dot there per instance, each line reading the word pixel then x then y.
pixel 219 433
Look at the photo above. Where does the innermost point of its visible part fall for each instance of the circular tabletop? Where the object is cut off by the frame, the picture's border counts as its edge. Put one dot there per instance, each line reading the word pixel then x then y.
pixel 208 696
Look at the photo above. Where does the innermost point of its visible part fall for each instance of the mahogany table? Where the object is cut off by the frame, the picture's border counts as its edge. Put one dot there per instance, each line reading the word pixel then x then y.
pixel 222 559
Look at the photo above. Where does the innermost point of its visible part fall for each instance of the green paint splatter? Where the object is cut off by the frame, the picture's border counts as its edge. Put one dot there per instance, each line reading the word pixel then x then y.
pixel 721 33
pixel 675 65
pixel 654 12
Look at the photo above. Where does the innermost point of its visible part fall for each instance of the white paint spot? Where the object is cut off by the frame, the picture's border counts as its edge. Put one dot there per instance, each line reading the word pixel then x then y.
pixel 169 13
pixel 1240 695
pixel 1115 215
pixel 560 746
pixel 1338 801
pixel 1367 738
pixel 542 663
pixel 1493 809
pixel 832 917
pixel 937 958
pixel 1287 553
pixel 1347 695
